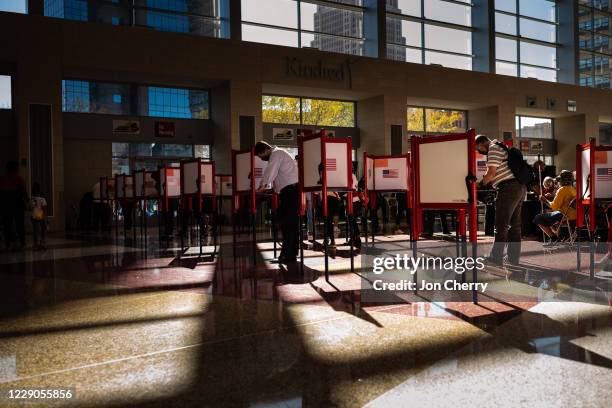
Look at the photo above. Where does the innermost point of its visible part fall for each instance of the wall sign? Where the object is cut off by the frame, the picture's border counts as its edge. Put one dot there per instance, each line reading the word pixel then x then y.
pixel 317 70
pixel 282 134
pixel 164 129
pixel 126 127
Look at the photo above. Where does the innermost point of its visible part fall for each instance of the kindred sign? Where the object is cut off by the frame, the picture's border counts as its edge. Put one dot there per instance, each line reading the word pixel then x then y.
pixel 319 71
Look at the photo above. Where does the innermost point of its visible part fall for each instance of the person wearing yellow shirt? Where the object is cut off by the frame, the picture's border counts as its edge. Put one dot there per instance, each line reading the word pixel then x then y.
pixel 561 205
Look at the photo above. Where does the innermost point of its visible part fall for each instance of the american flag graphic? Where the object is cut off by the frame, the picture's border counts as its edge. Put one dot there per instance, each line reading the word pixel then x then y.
pixel 604 174
pixel 330 164
pixel 390 173
pixel 258 172
pixel 481 164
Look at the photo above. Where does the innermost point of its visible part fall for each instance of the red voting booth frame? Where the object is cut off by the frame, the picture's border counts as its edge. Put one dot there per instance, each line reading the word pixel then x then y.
pixel 187 200
pixel 252 194
pixel 323 188
pixel 371 193
pixel 461 208
pixel 590 201
pixel 165 197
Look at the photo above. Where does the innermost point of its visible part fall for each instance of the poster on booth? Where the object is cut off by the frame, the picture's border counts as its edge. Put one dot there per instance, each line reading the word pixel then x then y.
pixel 390 173
pixel 224 186
pixel 603 174
pixel 337 165
pixel 443 167
pixel 190 177
pixel 173 182
pixel 150 188
pixel 311 156
pixel 369 166
pixel 243 171
pixel 206 178
pixel 481 166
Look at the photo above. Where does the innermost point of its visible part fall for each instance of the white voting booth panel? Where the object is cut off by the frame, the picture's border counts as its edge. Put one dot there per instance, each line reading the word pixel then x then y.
pixel 369 168
pixel 150 190
pixel 206 178
pixel 336 165
pixel 443 167
pixel 224 186
pixel 586 171
pixel 481 166
pixel 129 186
pixel 388 173
pixel 260 167
pixel 190 177
pixel 119 183
pixel 170 179
pixel 139 183
pixel 603 174
pixel 311 160
pixel 243 171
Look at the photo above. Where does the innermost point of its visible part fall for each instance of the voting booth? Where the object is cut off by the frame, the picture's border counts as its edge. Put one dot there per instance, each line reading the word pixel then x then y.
pixel 593 185
pixel 198 179
pixel 224 185
pixel 124 187
pixel 325 164
pixel 169 184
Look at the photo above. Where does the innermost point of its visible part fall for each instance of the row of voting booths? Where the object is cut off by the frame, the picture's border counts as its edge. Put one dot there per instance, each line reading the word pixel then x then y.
pixel 187 185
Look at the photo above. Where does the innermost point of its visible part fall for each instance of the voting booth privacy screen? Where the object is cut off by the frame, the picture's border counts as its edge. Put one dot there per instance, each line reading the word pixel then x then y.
pixel 224 185
pixel 197 177
pixel 242 171
pixel 387 173
pixel 443 167
pixel 337 162
pixel 593 179
pixel 170 181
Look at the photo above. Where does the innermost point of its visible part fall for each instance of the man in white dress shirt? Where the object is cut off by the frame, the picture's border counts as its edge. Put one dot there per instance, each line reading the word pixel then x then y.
pixel 281 173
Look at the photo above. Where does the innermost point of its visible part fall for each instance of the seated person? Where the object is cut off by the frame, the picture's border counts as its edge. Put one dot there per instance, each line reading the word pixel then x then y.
pixel 560 206
pixel 549 188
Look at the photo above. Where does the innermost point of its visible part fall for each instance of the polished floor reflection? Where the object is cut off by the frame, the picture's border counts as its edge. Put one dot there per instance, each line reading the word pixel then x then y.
pixel 128 324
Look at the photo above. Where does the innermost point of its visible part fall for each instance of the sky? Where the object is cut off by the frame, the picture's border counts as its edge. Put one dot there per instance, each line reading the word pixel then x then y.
pixel 16 6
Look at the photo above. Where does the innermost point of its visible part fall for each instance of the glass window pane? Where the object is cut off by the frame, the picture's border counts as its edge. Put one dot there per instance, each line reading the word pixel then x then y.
pixel 202 151
pixel 320 112
pixel 448 39
pixel 505 68
pixel 505 49
pixel 120 165
pixel 542 9
pixel 282 13
pixel 536 54
pixel 506 5
pixel 269 35
pixel 538 31
pixel 445 121
pixel 605 134
pixel 542 74
pixel 331 20
pixel 537 128
pixel 399 53
pixel 403 32
pixel 448 60
pixel 177 103
pixel 6 98
pixel 416 119
pixel 505 24
pixel 280 109
pixel 121 149
pixel 409 7
pixel 326 42
pixel 448 12
pixel 14 6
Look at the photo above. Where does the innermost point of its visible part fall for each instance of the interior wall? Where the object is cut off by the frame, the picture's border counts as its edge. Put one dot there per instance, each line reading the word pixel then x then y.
pixel 569 132
pixel 485 121
pixel 86 162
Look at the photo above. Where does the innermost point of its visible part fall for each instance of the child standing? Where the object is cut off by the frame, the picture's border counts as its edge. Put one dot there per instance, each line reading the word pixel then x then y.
pixel 39 217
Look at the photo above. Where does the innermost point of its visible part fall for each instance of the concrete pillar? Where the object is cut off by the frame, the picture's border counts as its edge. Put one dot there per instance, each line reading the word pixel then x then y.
pixel 375 116
pixel 230 101
pixel 483 39
pixel 375 29
pixel 570 131
pixel 485 121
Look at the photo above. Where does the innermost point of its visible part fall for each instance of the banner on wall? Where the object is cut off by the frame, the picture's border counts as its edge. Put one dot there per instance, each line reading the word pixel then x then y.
pixel 126 126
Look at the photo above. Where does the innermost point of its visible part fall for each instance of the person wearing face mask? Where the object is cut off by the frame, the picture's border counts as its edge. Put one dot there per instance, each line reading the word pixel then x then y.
pixel 281 173
pixel 508 202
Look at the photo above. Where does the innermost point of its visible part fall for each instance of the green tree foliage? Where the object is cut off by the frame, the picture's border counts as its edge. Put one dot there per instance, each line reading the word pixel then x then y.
pixel 280 109
pixel 316 112
pixel 435 120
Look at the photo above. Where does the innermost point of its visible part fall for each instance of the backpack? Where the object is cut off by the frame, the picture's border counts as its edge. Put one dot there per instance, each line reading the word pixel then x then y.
pixel 520 170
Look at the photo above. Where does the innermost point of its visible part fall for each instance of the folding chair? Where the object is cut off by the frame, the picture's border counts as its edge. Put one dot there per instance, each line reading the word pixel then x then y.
pixel 566 223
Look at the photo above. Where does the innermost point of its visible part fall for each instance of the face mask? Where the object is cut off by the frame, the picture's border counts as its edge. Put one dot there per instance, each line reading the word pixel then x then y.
pixel 483 151
pixel 265 158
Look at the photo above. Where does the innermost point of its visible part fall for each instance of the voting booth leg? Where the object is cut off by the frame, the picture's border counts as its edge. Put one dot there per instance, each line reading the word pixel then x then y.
pixel 134 222
pixel 372 226
pixel 578 251
pixel 351 233
pixel 215 232
pixel 274 231
pixel 414 255
pixel 301 237
pixel 592 257
pixel 254 232
pixel 325 235
pixel 474 272
pixel 234 234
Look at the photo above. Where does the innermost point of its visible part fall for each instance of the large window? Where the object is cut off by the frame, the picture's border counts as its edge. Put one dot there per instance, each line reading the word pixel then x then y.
pixel 431 32
pixel 535 128
pixel 435 120
pixel 6 96
pixel 13 6
pixel 595 41
pixel 307 111
pixel 140 100
pixel 199 17
pixel 129 157
pixel 328 25
pixel 526 38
